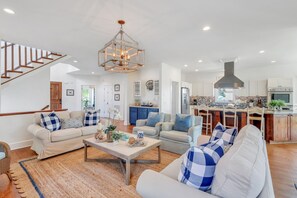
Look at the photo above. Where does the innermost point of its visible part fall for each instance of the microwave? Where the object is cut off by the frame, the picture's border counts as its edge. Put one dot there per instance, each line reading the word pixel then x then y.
pixel 281 93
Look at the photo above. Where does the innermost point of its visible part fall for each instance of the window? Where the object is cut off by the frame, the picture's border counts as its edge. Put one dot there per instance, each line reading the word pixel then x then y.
pixel 224 95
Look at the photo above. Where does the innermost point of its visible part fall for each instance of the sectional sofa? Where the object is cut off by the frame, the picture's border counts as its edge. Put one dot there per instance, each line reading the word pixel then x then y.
pixel 242 172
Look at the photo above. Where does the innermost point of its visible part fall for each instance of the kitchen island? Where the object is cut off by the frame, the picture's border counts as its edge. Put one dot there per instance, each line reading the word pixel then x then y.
pixel 280 126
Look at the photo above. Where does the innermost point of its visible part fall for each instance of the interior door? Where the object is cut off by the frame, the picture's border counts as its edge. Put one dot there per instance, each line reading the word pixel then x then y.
pixel 56 95
pixel 108 100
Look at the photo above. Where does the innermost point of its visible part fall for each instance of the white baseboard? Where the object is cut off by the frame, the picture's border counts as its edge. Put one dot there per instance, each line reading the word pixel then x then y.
pixel 21 144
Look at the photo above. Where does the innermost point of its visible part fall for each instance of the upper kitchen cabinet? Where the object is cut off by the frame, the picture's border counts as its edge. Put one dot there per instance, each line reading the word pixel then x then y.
pixel 203 89
pixel 208 89
pixel 279 82
pixel 258 88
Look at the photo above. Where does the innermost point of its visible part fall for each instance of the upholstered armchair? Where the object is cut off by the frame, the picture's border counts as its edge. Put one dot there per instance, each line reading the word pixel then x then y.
pixel 148 130
pixel 5 159
pixel 180 141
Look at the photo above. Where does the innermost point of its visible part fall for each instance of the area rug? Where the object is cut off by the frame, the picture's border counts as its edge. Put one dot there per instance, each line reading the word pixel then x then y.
pixel 68 175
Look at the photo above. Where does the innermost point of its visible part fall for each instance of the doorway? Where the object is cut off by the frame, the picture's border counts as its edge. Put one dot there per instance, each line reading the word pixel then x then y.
pixel 107 100
pixel 56 95
pixel 174 98
pixel 88 97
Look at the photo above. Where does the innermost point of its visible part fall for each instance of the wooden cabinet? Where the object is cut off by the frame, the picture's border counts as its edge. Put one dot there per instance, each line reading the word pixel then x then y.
pixel 293 135
pixel 281 127
pixel 137 113
pixel 285 128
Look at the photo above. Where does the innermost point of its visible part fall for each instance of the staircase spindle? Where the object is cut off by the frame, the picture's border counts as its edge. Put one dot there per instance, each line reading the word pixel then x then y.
pixel 5 59
pixel 12 57
pixel 20 54
pixel 31 55
pixel 26 61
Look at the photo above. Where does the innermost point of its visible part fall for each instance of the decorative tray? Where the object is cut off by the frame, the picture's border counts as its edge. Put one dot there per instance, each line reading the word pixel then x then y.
pixel 137 143
pixel 100 141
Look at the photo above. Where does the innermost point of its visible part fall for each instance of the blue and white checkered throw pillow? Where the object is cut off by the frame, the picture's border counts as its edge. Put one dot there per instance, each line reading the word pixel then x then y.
pixel 214 149
pixel 91 118
pixel 221 132
pixel 51 121
pixel 197 169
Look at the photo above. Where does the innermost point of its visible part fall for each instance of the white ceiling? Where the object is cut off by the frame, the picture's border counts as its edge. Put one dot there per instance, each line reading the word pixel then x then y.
pixel 169 30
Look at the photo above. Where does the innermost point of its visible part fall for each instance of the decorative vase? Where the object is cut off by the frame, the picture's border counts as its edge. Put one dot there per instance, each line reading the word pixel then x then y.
pixel 109 136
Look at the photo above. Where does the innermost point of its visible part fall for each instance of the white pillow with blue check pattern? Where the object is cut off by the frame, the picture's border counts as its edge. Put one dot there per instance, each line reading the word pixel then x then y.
pixel 197 169
pixel 221 132
pixel 51 121
pixel 91 118
pixel 215 149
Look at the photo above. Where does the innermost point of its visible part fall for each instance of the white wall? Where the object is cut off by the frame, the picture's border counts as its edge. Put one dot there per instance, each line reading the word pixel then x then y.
pixel 13 130
pixel 168 74
pixel 28 93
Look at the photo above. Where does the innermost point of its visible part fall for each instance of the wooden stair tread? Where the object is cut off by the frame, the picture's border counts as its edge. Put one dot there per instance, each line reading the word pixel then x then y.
pixel 14 71
pixel 47 58
pixel 6 77
pixel 38 62
pixel 26 66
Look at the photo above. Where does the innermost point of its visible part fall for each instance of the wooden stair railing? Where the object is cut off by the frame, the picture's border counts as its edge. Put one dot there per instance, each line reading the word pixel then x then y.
pixel 46 107
pixel 17 58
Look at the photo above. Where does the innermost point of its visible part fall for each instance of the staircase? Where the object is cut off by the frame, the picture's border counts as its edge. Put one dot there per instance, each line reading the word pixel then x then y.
pixel 18 60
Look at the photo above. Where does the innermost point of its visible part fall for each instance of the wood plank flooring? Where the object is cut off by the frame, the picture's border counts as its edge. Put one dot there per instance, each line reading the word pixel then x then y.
pixel 282 160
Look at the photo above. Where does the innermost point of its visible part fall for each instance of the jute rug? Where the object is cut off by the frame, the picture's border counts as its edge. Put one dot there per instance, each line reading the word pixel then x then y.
pixel 68 175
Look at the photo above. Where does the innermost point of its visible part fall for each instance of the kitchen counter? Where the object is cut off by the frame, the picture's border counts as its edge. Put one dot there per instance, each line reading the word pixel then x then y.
pixel 266 111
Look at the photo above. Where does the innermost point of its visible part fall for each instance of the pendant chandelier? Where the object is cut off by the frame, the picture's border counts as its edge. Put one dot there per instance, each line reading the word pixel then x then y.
pixel 121 54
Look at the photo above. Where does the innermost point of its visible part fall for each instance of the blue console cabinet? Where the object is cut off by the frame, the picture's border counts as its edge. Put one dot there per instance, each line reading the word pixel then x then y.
pixel 137 113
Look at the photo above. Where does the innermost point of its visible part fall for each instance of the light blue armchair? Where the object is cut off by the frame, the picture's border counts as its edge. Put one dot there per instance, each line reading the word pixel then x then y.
pixel 180 141
pixel 151 131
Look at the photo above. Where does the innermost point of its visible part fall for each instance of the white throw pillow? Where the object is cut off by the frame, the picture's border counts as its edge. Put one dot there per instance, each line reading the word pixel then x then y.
pixel 241 171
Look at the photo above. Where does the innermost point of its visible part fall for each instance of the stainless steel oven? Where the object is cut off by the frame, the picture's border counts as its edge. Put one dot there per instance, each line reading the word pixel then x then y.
pixel 281 93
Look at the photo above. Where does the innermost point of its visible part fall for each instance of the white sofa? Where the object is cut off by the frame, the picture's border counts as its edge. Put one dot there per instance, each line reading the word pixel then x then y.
pixel 242 172
pixel 47 144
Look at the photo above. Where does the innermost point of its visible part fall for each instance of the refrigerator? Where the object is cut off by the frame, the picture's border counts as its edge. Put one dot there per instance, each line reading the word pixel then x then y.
pixel 185 100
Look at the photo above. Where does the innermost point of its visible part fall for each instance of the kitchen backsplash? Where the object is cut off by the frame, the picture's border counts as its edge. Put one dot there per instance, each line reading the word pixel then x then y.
pixel 210 100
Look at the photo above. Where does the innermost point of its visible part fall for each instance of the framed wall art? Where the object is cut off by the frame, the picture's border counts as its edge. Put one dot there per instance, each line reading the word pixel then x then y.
pixel 69 92
pixel 116 97
pixel 117 87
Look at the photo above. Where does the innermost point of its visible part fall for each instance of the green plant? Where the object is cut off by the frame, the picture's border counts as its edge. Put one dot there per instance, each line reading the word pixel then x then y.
pixel 116 136
pixel 276 103
pixel 110 128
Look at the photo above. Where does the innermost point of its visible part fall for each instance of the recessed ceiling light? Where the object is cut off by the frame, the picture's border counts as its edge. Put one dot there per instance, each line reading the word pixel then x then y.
pixel 273 61
pixel 75 61
pixel 8 11
pixel 186 65
pixel 200 61
pixel 206 28
pixel 261 52
pixel 93 72
pixel 196 70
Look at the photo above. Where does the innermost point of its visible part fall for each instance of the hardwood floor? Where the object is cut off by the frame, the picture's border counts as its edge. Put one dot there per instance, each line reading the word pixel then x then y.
pixel 282 160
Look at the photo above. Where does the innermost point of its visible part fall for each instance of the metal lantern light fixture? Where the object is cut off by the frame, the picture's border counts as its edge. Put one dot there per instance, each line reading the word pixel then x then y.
pixel 121 54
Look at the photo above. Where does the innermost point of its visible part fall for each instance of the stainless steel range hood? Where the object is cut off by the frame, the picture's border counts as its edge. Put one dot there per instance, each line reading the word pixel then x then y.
pixel 229 80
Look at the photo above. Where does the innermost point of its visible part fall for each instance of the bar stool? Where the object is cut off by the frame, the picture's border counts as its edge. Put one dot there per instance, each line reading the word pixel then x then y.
pixel 230 113
pixel 203 111
pixel 258 115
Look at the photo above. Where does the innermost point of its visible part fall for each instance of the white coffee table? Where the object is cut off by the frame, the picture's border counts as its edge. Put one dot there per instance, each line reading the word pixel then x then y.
pixel 124 154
